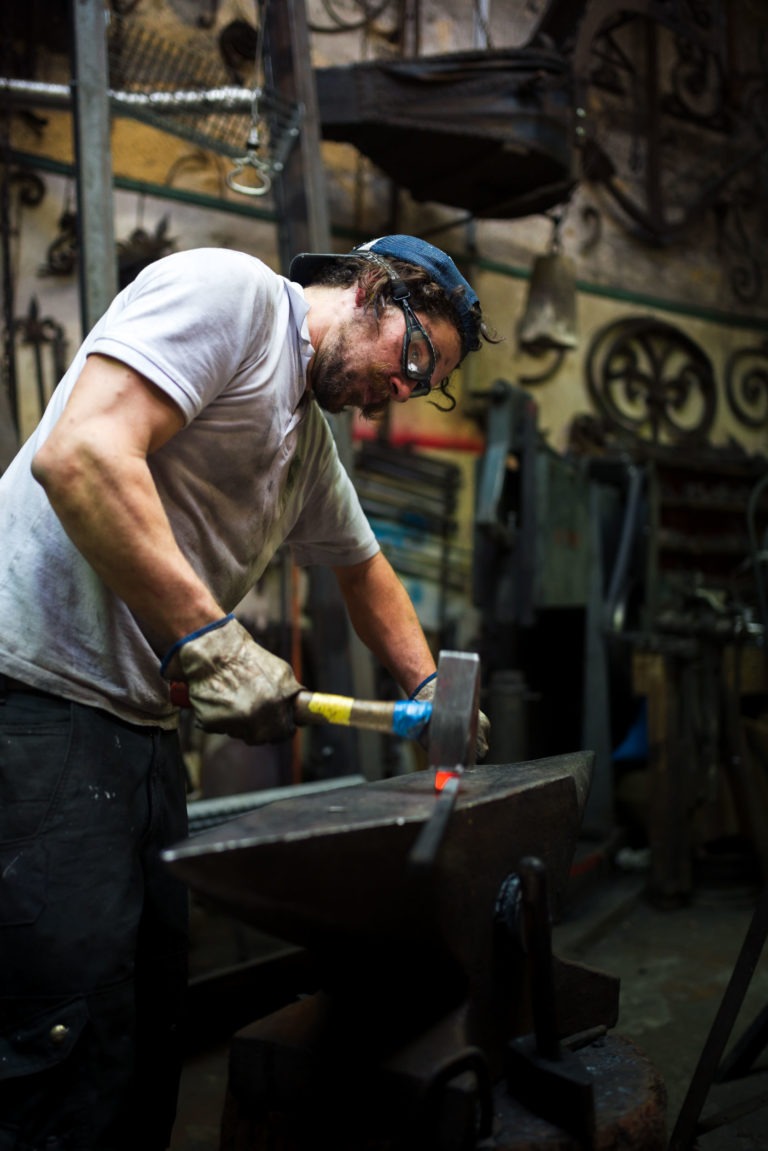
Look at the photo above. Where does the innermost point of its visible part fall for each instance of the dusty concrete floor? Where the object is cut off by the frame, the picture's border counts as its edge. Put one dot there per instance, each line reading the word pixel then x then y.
pixel 674 965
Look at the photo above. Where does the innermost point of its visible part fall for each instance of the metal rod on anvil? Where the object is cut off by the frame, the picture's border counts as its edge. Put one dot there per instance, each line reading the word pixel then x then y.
pixel 425 850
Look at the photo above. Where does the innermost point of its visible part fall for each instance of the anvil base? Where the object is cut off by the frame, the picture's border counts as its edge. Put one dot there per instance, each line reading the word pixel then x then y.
pixel 284 1094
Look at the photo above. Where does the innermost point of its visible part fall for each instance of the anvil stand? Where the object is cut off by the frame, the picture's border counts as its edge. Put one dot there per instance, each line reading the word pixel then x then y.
pixel 332 1070
pixel 444 1022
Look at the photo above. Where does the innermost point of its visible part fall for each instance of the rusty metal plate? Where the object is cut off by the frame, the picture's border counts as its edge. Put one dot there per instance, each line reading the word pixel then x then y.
pixel 630 1104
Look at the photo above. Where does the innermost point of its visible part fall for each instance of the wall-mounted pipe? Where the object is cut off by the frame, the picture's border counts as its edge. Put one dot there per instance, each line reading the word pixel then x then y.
pixel 35 94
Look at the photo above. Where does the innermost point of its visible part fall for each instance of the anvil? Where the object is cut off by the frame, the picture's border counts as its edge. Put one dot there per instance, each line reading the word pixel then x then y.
pixel 335 874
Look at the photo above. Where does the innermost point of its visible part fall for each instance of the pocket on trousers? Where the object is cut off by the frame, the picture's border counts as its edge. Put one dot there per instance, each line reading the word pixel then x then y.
pixel 23 882
pixel 34 763
pixel 41 1041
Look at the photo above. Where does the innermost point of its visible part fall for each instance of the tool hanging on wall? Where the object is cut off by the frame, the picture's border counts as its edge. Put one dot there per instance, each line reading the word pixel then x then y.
pixel 30 189
pixel 142 248
pixel 133 254
pixel 40 334
pixel 548 324
pixel 61 254
pixel 273 120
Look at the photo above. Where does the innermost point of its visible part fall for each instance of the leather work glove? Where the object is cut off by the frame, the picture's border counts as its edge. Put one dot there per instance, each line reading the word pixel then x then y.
pixel 426 691
pixel 235 686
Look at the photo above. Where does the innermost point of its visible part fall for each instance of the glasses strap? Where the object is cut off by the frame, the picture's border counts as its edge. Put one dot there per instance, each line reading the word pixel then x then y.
pixel 399 290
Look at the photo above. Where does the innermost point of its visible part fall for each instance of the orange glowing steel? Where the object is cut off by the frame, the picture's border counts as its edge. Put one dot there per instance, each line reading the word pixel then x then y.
pixel 441 778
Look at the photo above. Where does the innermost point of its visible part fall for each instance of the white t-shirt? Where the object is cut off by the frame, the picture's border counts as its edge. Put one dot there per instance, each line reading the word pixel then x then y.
pixel 255 466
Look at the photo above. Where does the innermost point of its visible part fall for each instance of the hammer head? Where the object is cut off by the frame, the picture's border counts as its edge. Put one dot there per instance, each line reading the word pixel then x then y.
pixel 453 726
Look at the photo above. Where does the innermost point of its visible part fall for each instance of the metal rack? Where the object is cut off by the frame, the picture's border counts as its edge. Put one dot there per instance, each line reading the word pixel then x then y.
pixel 411 502
pixel 172 74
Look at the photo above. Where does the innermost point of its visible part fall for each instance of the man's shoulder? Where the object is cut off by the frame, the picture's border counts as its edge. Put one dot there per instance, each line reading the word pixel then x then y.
pixel 211 264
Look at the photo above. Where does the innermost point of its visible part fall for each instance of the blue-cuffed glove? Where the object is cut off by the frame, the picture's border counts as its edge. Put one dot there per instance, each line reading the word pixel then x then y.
pixel 235 686
pixel 426 691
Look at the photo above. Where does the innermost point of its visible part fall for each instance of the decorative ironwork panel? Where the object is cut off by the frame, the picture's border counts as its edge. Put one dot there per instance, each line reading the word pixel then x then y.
pixel 671 100
pixel 646 377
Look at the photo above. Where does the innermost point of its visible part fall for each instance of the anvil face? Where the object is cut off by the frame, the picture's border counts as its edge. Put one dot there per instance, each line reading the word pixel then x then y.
pixel 333 871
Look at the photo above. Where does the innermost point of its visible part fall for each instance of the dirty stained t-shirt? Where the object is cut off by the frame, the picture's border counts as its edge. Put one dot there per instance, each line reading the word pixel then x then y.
pixel 254 467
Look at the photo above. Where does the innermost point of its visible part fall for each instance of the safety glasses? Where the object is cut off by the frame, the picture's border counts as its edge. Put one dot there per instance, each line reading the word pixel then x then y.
pixel 418 357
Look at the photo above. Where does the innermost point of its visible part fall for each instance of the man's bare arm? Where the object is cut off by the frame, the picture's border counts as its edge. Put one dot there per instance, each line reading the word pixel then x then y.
pixel 93 467
pixel 385 619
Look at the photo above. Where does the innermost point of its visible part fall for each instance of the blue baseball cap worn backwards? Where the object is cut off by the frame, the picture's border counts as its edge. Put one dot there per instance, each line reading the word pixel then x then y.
pixel 411 250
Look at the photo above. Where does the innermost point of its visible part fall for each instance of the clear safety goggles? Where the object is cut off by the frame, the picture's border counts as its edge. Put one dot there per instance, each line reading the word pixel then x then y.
pixel 418 357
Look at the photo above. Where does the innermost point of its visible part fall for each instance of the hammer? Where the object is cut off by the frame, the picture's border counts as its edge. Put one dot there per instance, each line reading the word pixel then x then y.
pixel 452 713
pixel 406 717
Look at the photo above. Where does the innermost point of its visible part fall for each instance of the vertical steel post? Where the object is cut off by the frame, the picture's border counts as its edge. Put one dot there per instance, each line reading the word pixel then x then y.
pixel 93 157
pixel 341 662
pixel 300 193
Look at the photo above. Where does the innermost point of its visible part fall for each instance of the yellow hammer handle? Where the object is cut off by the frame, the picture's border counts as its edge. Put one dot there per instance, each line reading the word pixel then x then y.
pixel 319 707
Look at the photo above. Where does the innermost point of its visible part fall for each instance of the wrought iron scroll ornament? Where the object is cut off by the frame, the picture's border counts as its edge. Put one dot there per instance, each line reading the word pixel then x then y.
pixel 360 15
pixel 683 84
pixel 646 377
pixel 30 186
pixel 736 242
pixel 746 385
pixel 62 253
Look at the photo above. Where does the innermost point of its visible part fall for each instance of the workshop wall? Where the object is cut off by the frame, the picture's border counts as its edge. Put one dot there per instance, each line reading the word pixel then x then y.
pixel 681 266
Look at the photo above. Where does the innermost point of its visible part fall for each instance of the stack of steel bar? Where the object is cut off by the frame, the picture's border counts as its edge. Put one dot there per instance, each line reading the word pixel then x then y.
pixel 411 501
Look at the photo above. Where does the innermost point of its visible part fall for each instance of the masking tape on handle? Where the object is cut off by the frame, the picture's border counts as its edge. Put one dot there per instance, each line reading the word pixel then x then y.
pixel 410 717
pixel 333 708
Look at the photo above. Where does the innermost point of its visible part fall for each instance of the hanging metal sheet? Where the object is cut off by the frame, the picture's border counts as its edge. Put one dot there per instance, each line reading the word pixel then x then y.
pixel 485 131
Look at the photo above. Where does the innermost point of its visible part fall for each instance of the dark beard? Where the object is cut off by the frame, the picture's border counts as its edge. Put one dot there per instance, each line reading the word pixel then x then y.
pixel 332 384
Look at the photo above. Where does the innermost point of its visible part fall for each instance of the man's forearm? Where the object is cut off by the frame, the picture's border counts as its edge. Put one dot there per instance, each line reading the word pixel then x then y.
pixel 94 470
pixel 384 617
pixel 115 519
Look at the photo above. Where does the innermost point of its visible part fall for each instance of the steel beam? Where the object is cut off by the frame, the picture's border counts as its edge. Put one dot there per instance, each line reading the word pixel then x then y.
pixel 91 124
pixel 343 665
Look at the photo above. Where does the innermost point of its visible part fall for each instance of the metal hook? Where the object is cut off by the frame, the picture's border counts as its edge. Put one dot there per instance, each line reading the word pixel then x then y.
pixel 250 189
pixel 251 160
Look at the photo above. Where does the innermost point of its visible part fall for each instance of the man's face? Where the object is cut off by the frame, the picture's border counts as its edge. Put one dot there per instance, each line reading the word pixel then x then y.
pixel 359 362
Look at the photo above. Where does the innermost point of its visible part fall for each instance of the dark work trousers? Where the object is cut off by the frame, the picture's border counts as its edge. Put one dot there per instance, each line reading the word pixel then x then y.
pixel 93 928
